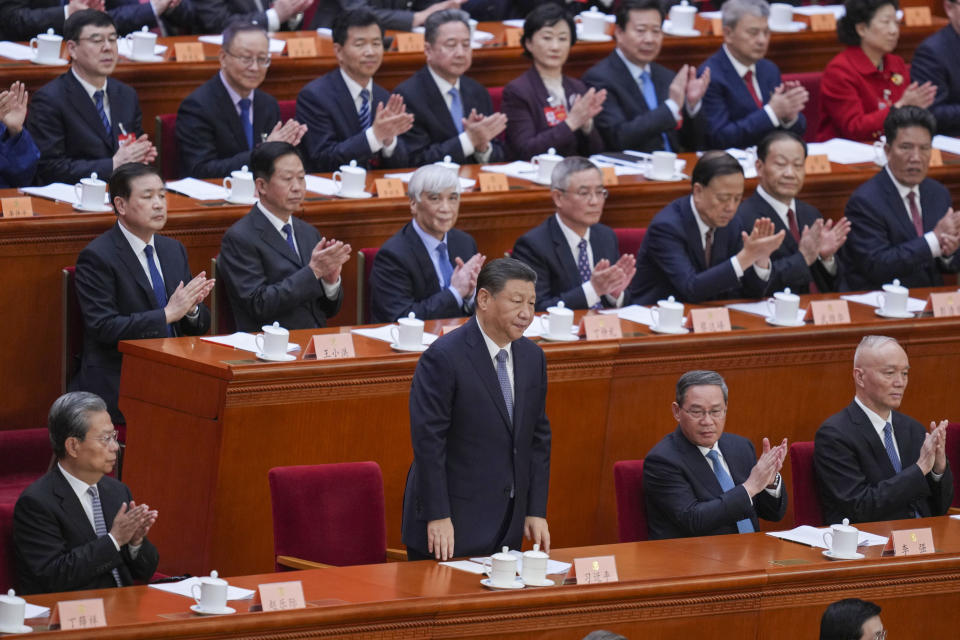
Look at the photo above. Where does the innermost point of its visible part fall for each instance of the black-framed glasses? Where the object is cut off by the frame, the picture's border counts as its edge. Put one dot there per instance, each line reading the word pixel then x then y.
pixel 585 194
pixel 699 413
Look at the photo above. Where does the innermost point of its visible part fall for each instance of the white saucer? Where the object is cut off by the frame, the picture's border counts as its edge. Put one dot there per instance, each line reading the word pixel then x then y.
pixel 287 357
pixel 554 338
pixel 153 58
pixel 547 582
pixel 517 584
pixel 59 62
pixel 682 33
pixel 420 349
pixel 777 323
pixel 677 177
pixel 241 200
pixel 679 331
pixel 602 37
pixel 793 27
pixel 830 554
pixel 105 208
pixel 16 629
pixel 196 608
pixel 887 314
pixel 359 196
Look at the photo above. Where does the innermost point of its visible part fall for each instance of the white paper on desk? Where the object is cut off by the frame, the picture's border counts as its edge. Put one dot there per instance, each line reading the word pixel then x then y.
pixel 843 151
pixel 183 588
pixel 516 169
pixel 324 32
pixel 946 143
pixel 197 189
pixel 761 309
pixel 465 565
pixel 619 169
pixel 837 10
pixel 872 299
pixel 813 536
pixel 633 313
pixel 33 611
pixel 58 191
pixel 514 22
pixel 276 46
pixel 553 566
pixel 15 51
pixel 125 49
pixel 323 186
pixel 465 183
pixel 383 333
pixel 244 341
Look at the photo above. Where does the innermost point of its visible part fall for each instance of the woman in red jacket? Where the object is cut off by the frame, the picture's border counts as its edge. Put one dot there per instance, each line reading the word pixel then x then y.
pixel 864 81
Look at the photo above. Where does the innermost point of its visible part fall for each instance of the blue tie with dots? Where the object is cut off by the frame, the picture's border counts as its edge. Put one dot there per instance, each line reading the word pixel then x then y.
pixel 456 109
pixel 504 379
pixel 446 269
pixel 726 483
pixel 246 121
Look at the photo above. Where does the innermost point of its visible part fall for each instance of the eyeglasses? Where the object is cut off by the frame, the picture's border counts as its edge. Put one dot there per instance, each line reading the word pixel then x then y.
pixel 105 440
pixel 98 40
pixel 584 194
pixel 248 61
pixel 698 413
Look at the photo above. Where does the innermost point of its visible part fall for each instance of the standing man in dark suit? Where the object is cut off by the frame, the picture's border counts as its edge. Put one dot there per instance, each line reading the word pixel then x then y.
pixel 453 114
pixel 576 258
pixel 18 152
pixel 479 429
pixel 78 119
pixel 697 249
pixel 226 117
pixel 806 260
pixel 134 283
pixel 700 480
pixel 272 15
pixel 902 222
pixel 22 20
pixel 278 268
pixel 648 107
pixel 347 115
pixel 746 98
pixel 428 267
pixel 401 15
pixel 76 527
pixel 873 462
pixel 935 61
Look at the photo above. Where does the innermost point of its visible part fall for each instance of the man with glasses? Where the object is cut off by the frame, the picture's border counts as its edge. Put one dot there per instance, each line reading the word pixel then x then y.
pixel 577 259
pixel 700 481
pixel 84 121
pixel 223 120
pixel 77 528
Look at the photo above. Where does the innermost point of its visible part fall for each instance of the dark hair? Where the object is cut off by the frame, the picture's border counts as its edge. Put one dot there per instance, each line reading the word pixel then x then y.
pixel 494 275
pixel 74 25
pixel 712 164
pixel 356 18
pixel 776 136
pixel 908 116
pixel 125 174
pixel 858 11
pixel 546 15
pixel 264 158
pixel 69 418
pixel 440 18
pixel 623 13
pixel 843 619
pixel 699 378
pixel 237 27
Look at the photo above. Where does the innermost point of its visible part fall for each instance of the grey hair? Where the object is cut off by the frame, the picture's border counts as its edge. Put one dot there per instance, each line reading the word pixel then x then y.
pixel 698 378
pixel 432 178
pixel 869 343
pixel 733 10
pixel 69 417
pixel 436 20
pixel 560 178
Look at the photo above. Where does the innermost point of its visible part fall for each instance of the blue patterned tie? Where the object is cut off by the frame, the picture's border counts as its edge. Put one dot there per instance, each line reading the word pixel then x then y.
pixel 446 269
pixel 364 109
pixel 456 109
pixel 891 450
pixel 504 380
pixel 288 234
pixel 583 263
pixel 98 100
pixel 156 281
pixel 100 525
pixel 726 483
pixel 650 95
pixel 246 121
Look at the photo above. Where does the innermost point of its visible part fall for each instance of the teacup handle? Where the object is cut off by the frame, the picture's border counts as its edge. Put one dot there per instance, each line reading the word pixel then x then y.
pixel 545 319
pixel 195 592
pixel 829 544
pixel 338 180
pixel 77 189
pixel 395 334
pixel 882 299
pixel 34 44
pixel 655 312
pixel 771 307
pixel 228 183
pixel 259 341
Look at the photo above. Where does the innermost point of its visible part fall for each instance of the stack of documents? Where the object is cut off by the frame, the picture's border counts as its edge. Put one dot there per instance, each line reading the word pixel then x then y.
pixel 184 588
pixel 517 169
pixel 843 151
pixel 323 186
pixel 383 333
pixel 60 192
pixel 914 305
pixel 197 189
pixel 15 51
pixel 813 537
pixel 244 341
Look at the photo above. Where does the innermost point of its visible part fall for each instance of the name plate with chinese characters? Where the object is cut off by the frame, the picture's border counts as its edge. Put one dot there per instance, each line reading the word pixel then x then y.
pixel 79 614
pixel 602 327
pixel 596 570
pixel 944 304
pixel 828 312
pixel 710 320
pixel 330 346
pixel 282 596
pixel 912 542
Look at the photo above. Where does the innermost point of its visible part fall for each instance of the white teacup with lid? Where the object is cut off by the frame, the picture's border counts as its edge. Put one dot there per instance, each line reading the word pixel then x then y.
pixel 210 594
pixel 843 539
pixel 682 16
pixel 667 315
pixel 350 179
pixel 240 185
pixel 558 321
pixel 47 49
pixel 272 343
pixel 12 610
pixel 408 334
pixel 783 306
pixel 781 16
pixel 545 164
pixel 893 299
pixel 502 570
pixel 141 43
pixel 534 570
pixel 594 23
pixel 448 163
pixel 663 166
pixel 91 193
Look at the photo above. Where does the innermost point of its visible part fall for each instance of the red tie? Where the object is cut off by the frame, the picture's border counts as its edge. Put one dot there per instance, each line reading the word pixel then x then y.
pixel 748 78
pixel 708 247
pixel 792 221
pixel 915 213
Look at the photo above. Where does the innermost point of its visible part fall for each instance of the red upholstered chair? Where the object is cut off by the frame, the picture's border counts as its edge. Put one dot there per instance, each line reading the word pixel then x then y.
pixel 308 14
pixel 364 266
pixel 806 498
pixel 26 456
pixel 953 457
pixel 221 313
pixel 630 238
pixel 496 96
pixel 165 139
pixel 811 81
pixel 329 515
pixel 288 109
pixel 631 504
pixel 8 572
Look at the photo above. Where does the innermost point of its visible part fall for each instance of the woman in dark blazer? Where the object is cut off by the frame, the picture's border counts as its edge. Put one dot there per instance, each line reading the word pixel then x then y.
pixel 864 81
pixel 546 109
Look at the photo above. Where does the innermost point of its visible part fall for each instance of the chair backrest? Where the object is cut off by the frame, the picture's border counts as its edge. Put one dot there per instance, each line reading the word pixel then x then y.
pixel 631 503
pixel 629 239
pixel 288 109
pixel 165 138
pixel 806 498
pixel 26 456
pixel 329 513
pixel 221 313
pixel 71 328
pixel 953 457
pixel 496 97
pixel 364 267
pixel 8 572
pixel 811 111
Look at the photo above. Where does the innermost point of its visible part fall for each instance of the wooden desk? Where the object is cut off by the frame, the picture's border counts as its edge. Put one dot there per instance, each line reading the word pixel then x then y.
pixel 208 422
pixel 713 588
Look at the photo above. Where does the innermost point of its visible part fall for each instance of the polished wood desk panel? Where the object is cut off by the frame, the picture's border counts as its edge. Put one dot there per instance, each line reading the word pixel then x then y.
pixel 211 421
pixel 714 588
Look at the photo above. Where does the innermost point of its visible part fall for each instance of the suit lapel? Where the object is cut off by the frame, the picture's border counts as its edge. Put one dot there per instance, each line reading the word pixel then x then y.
pixel 699 466
pixel 274 240
pixel 71 506
pixel 77 96
pixel 483 365
pixel 866 431
pixel 764 210
pixel 521 371
pixel 692 231
pixel 133 266
pixel 261 128
pixel 628 81
pixel 902 217
pixel 438 105
pixel 228 110
pixel 348 109
pixel 569 268
pixel 743 96
pixel 909 449
pixel 422 258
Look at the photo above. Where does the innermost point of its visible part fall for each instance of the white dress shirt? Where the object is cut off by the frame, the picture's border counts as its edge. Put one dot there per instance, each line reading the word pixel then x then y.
pixel 781 210
pixel 904 191
pixel 355 88
pixel 86 501
pixel 90 89
pixel 139 247
pixel 236 97
pixel 493 348
pixel 573 241
pixel 330 290
pixel 775 491
pixel 465 144
pixel 763 274
pixel 741 70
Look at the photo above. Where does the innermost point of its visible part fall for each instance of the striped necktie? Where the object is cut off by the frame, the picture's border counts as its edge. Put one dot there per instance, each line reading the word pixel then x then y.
pixel 100 525
pixel 364 114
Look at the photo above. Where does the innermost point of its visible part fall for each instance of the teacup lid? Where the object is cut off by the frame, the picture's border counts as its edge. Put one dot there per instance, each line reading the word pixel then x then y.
pixel 144 29
pixel 12 598
pixel 504 554
pixel 93 179
pixel 273 328
pixel 844 526
pixel 786 294
pixel 352 167
pixel 50 32
pixel 214 578
pixel 670 303
pixel 411 318
pixel 448 163
pixel 535 553
pixel 894 286
pixel 243 172
pixel 560 309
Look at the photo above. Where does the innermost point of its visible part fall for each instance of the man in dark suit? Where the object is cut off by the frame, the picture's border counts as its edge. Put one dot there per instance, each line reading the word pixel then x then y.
pixel 78 119
pixel 873 462
pixel 648 107
pixel 697 249
pixel 347 115
pixel 746 98
pixel 428 267
pixel 18 153
pixel 700 480
pixel 76 527
pixel 479 429
pixel 134 283
pixel 273 15
pixel 576 258
pixel 902 222
pixel 22 20
pixel 223 119
pixel 453 114
pixel 401 15
pixel 278 268
pixel 935 61
pixel 806 260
